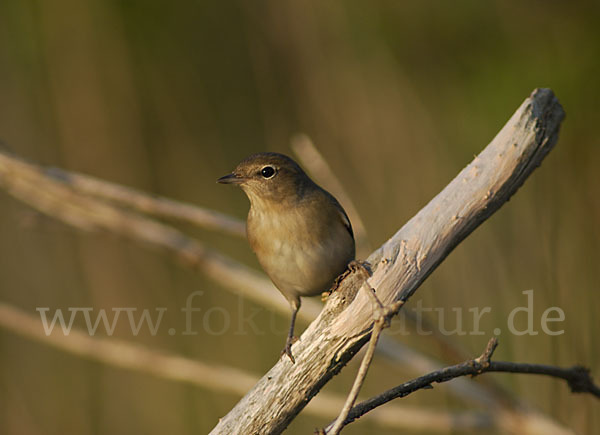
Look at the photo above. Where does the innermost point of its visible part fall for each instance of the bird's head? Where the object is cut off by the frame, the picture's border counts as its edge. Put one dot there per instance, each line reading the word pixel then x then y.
pixel 269 177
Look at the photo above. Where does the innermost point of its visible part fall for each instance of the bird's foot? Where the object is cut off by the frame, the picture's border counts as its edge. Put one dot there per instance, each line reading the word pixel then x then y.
pixel 287 350
pixel 363 267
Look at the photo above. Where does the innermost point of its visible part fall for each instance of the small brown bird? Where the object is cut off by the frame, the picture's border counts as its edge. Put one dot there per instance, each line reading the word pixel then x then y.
pixel 299 232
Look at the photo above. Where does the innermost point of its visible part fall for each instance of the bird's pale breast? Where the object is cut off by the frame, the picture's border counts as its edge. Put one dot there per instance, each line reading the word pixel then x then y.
pixel 301 257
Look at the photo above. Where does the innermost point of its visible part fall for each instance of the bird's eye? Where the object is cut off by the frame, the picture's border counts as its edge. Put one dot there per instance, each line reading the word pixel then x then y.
pixel 267 172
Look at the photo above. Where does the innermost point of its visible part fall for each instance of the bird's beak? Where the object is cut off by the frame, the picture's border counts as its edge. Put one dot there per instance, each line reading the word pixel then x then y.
pixel 232 178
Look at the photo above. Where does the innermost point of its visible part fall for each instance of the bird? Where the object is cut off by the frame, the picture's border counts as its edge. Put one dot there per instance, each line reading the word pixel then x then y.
pixel 300 233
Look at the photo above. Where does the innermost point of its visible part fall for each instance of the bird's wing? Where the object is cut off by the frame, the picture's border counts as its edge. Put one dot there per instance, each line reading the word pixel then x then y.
pixel 344 217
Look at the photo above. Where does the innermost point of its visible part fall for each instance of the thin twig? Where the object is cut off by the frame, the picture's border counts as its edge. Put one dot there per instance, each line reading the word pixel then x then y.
pixel 577 377
pixel 451 350
pixel 382 316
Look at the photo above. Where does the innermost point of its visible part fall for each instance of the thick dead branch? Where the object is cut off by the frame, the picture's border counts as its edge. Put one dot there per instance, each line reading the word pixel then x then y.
pixel 91 204
pixel 578 378
pixel 400 266
pixel 319 170
pixel 466 389
pixel 81 204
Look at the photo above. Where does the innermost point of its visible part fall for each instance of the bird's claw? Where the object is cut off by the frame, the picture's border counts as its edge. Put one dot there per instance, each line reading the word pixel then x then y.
pixel 287 350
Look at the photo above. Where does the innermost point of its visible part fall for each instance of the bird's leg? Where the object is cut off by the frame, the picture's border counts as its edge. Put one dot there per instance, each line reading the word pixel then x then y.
pixel 287 350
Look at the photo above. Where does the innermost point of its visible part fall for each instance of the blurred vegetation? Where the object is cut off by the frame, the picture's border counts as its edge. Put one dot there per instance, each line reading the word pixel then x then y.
pixel 398 96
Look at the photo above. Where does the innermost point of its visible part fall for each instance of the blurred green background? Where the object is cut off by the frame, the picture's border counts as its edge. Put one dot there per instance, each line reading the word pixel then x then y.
pixel 398 96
